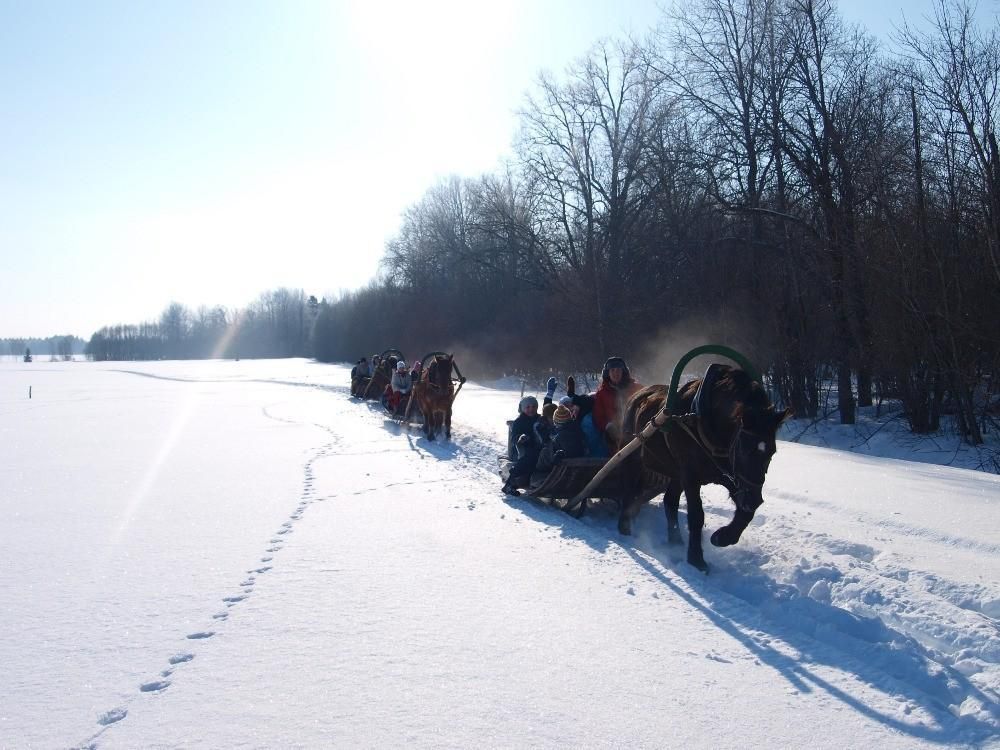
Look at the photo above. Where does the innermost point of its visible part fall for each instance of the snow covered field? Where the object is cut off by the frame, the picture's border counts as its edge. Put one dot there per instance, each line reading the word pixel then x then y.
pixel 236 554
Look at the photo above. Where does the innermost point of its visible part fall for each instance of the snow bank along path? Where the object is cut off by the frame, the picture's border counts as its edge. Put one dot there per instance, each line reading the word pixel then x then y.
pixel 214 555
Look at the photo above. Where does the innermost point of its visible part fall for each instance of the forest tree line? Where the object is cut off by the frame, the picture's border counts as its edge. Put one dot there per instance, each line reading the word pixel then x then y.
pixel 60 347
pixel 755 172
pixel 278 324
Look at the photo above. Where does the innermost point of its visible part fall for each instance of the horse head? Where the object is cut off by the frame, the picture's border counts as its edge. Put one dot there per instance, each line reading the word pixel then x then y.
pixel 740 426
pixel 439 370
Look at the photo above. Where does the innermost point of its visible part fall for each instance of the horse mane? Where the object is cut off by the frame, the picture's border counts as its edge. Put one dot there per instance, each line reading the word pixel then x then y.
pixel 735 397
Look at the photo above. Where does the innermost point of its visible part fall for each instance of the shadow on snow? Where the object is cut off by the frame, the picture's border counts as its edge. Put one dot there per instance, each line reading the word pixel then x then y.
pixel 753 608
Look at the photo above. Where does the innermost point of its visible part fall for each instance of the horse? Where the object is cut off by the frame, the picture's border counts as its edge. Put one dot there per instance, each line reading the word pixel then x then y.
pixel 730 443
pixel 374 387
pixel 435 393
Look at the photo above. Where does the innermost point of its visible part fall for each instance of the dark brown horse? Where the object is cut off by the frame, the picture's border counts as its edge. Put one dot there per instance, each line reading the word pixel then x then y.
pixel 730 443
pixel 435 393
pixel 373 388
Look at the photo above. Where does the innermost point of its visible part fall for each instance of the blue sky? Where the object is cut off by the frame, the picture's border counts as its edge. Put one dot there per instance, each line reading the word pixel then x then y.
pixel 206 151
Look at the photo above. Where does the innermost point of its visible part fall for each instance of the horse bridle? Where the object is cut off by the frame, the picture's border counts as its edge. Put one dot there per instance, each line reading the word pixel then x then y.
pixel 451 380
pixel 741 484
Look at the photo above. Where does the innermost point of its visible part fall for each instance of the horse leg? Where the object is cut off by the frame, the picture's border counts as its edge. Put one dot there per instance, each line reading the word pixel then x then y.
pixel 671 506
pixel 696 522
pixel 631 500
pixel 447 423
pixel 629 510
pixel 428 423
pixel 730 533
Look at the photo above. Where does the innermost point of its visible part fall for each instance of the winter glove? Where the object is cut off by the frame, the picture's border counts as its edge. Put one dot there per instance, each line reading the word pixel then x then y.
pixel 550 388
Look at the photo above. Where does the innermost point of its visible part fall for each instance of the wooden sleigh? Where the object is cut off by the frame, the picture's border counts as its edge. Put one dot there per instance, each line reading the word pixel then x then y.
pixel 571 476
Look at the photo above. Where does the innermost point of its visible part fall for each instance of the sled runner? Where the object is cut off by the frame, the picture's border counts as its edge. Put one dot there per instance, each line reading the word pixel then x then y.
pixel 572 475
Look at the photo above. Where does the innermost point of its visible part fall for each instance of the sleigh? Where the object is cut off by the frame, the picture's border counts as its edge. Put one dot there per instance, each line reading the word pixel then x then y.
pixel 578 480
pixel 410 412
pixel 571 476
pixel 371 388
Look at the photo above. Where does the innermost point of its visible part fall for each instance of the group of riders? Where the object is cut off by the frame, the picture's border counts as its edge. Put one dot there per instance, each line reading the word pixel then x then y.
pixel 578 425
pixel 539 439
pixel 400 379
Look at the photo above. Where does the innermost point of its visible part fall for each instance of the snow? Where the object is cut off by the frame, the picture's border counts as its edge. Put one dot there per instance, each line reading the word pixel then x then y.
pixel 884 433
pixel 236 554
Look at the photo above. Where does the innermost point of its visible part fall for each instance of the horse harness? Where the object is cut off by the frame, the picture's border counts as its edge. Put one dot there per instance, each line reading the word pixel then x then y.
pixel 699 411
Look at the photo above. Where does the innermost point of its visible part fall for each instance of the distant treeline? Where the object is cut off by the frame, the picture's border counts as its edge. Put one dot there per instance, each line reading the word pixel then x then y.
pixel 757 172
pixel 277 324
pixel 55 346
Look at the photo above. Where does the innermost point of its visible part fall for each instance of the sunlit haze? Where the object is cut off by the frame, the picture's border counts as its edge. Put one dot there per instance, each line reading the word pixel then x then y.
pixel 205 152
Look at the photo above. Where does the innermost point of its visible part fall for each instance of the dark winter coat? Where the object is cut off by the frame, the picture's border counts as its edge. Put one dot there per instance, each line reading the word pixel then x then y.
pixel 584 402
pixel 523 425
pixel 543 431
pixel 567 442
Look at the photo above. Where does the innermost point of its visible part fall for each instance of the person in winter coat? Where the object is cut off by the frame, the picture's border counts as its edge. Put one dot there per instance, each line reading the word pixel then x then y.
pixel 360 369
pixel 399 387
pixel 522 444
pixel 616 387
pixel 583 407
pixel 583 403
pixel 543 427
pixel 360 375
pixel 567 440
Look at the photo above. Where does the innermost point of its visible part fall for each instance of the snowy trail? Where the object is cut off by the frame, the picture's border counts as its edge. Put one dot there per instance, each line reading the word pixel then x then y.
pixel 399 598
pixel 632 574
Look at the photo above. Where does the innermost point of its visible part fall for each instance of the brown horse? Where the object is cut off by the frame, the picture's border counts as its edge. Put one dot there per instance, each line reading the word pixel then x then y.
pixel 435 393
pixel 373 387
pixel 730 443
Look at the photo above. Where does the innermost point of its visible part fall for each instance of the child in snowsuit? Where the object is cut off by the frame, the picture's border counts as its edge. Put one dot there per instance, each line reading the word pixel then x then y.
pixel 567 440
